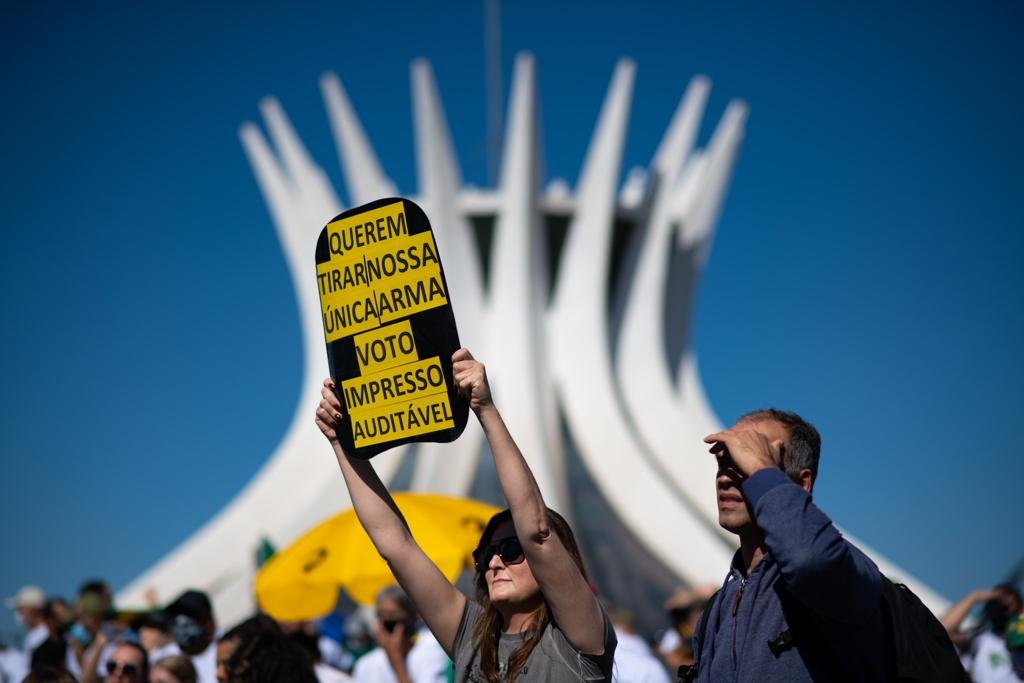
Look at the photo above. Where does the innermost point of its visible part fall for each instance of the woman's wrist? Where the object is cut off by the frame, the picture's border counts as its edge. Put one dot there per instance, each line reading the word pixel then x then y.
pixel 486 411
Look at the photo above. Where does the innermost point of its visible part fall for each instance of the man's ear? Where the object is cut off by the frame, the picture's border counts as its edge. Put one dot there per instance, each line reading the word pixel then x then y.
pixel 804 480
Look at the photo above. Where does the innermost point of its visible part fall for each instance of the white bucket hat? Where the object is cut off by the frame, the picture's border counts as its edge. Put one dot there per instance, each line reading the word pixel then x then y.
pixel 28 596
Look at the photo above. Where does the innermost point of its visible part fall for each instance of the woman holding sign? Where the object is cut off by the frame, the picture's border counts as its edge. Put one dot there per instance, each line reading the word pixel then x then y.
pixel 535 617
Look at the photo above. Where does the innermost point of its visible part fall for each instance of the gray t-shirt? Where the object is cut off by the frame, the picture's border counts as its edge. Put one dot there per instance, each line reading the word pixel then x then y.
pixel 553 659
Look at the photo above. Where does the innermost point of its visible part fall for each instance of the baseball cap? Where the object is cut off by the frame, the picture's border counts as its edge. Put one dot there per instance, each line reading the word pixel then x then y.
pixel 28 596
pixel 191 603
pixel 91 604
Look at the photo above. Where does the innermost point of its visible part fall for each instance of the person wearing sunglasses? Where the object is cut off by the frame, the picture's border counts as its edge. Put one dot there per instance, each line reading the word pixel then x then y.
pixel 535 617
pixel 127 664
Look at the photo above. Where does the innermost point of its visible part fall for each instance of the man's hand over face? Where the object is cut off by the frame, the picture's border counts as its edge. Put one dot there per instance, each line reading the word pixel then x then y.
pixel 396 645
pixel 747 449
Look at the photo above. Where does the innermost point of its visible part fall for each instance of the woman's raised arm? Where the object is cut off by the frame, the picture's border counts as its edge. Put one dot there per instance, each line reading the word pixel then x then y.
pixel 439 603
pixel 573 605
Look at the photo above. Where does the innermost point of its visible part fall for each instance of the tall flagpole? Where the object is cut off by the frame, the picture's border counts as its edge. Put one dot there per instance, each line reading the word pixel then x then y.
pixel 492 46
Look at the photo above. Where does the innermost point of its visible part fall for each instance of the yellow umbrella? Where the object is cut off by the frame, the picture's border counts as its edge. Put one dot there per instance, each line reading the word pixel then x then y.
pixel 301 582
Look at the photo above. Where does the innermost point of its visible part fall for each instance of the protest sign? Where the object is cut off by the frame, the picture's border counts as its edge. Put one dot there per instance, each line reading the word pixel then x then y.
pixel 389 328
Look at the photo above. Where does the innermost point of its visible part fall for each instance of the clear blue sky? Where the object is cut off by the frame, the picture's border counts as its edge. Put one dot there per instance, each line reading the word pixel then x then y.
pixel 867 270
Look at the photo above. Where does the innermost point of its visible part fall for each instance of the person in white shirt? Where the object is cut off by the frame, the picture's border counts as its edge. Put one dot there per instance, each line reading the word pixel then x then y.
pixel 155 636
pixel 990 660
pixel 634 661
pixel 404 653
pixel 986 656
pixel 28 605
pixel 191 622
pixel 13 667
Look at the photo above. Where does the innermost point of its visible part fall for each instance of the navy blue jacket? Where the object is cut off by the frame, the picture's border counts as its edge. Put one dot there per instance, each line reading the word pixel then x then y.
pixel 810 609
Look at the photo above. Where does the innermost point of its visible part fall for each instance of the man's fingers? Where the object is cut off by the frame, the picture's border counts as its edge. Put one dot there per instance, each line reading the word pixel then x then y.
pixel 717 436
pixel 720 441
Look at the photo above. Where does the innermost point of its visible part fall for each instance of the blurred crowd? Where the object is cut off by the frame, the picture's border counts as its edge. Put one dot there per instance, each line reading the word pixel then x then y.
pixel 88 640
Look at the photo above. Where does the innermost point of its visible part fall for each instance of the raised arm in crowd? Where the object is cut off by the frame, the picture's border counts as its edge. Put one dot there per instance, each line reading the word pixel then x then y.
pixel 531 585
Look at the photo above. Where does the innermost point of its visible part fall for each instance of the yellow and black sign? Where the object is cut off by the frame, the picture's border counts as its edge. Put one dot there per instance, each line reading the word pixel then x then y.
pixel 389 328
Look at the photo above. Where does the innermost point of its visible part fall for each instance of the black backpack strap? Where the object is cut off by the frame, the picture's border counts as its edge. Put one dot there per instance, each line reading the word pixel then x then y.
pixel 917 645
pixel 688 672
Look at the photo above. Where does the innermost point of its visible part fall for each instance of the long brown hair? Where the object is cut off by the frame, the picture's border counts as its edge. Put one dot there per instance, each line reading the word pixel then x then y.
pixel 487 631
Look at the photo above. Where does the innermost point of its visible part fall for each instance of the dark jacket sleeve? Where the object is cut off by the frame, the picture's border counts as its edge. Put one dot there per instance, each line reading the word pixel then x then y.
pixel 819 567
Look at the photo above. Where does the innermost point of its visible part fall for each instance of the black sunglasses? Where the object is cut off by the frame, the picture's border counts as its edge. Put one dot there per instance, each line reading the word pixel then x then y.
pixel 127 668
pixel 391 624
pixel 508 549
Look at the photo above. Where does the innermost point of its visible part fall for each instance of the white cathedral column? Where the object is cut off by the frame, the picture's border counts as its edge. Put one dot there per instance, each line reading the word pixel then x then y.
pixel 661 421
pixel 447 468
pixel 582 366
pixel 518 363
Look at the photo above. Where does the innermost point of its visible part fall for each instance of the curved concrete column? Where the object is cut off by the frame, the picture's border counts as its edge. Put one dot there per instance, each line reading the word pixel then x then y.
pixel 517 363
pixel 583 372
pixel 364 176
pixel 447 468
pixel 662 420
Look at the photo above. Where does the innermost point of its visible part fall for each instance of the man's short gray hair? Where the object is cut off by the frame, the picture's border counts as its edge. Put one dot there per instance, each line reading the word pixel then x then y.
pixel 398 596
pixel 804 449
